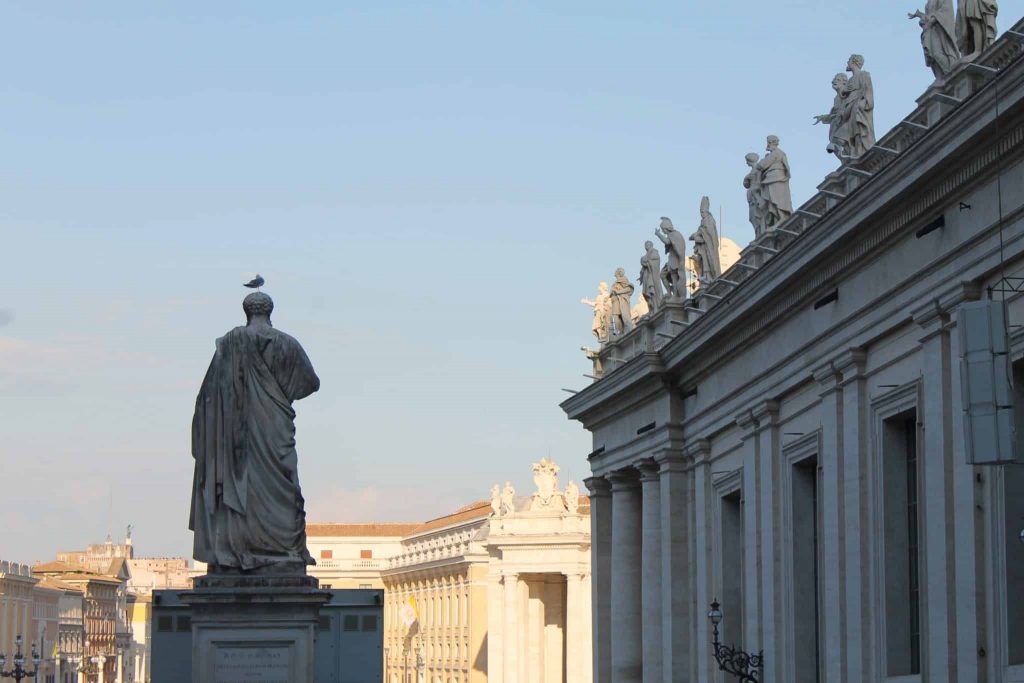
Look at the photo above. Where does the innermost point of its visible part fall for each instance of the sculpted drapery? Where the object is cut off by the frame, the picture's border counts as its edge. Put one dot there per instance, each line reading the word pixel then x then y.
pixel 247 508
pixel 859 110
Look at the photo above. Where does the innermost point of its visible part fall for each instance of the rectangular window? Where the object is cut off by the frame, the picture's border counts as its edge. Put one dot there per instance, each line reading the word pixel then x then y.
pixel 326 554
pixel 370 622
pixel 901 475
pixel 184 624
pixel 351 622
pixel 806 550
pixel 732 569
pixel 164 624
pixel 366 554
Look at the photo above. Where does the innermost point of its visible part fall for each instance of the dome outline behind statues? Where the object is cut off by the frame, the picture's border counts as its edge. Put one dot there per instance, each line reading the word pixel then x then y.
pixel 248 513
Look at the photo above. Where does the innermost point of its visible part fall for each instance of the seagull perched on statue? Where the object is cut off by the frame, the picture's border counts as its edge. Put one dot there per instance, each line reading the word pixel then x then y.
pixel 256 282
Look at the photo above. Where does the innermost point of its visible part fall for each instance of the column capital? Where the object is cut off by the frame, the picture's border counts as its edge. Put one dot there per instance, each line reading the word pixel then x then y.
pixel 850 363
pixel 827 376
pixel 698 450
pixel 746 422
pixel 765 414
pixel 671 460
pixel 934 314
pixel 625 479
pixel 599 487
pixel 649 470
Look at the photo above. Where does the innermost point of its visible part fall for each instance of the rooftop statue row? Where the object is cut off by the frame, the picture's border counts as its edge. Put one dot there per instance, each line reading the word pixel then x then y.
pixel 948 42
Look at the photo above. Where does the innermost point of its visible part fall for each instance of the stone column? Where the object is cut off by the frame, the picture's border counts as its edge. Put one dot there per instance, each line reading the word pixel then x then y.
pixel 574 635
pixel 857 548
pixel 601 577
pixel 769 519
pixel 938 616
pixel 81 676
pixel 511 628
pixel 749 495
pixel 703 667
pixel 534 648
pixel 495 628
pixel 650 563
pixel 627 661
pixel 120 667
pixel 554 623
pixel 524 638
pixel 831 463
pixel 676 580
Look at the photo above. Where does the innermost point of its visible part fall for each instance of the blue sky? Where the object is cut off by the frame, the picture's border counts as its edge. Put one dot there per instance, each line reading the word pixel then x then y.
pixel 428 188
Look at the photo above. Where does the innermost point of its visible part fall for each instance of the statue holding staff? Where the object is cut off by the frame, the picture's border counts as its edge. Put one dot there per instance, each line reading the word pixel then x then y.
pixel 650 277
pixel 673 273
pixel 705 246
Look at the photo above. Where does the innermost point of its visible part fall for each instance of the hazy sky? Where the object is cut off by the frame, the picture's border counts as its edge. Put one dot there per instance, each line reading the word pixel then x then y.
pixel 428 187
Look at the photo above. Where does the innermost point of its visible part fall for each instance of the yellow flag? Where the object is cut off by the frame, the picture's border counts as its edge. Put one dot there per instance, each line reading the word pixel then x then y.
pixel 55 653
pixel 415 609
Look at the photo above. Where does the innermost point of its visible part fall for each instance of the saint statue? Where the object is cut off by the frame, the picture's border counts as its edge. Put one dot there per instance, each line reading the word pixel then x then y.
pixel 508 499
pixel 620 321
pixel 247 508
pixel 673 274
pixel 858 108
pixel 650 277
pixel 938 37
pixel 496 499
pixel 776 200
pixel 837 138
pixel 975 26
pixel 755 202
pixel 705 246
pixel 601 305
pixel 572 497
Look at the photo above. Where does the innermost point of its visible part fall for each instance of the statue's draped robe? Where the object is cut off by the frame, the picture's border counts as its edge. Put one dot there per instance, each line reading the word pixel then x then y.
pixel 775 175
pixel 622 290
pixel 939 39
pixel 976 11
pixel 247 508
pixel 752 182
pixel 650 282
pixel 838 132
pixel 705 245
pixel 859 113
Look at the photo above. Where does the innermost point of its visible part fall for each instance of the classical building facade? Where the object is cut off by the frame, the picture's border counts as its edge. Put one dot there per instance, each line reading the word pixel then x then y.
pixel 353 555
pixel 794 445
pixel 496 591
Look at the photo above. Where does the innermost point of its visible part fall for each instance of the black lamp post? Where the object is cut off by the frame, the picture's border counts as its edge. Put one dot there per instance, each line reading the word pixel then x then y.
pixel 18 672
pixel 742 665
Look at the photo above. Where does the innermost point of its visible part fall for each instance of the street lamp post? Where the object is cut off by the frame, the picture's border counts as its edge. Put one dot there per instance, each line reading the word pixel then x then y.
pixel 743 665
pixel 19 673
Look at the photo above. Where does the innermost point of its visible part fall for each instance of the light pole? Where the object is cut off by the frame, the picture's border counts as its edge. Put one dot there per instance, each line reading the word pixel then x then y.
pixel 742 665
pixel 19 673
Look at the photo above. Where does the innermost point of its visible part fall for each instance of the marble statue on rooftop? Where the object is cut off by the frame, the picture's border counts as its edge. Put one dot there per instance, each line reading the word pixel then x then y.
pixel 755 202
pixel 837 137
pixel 572 498
pixel 508 499
pixel 938 37
pixel 650 277
pixel 639 310
pixel 247 508
pixel 602 312
pixel 777 201
pixel 620 321
pixel 858 109
pixel 705 246
pixel 673 273
pixel 496 499
pixel 975 26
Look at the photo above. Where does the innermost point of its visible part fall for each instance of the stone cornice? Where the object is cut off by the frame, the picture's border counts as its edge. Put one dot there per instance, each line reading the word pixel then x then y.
pixel 746 422
pixel 766 414
pixel 599 487
pixel 649 470
pixel 698 450
pixel 850 363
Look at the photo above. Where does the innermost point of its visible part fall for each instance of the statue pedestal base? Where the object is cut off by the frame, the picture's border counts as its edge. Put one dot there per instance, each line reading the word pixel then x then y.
pixel 254 628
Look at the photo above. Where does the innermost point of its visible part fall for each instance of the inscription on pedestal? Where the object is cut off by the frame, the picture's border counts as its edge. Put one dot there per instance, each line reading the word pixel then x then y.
pixel 252 664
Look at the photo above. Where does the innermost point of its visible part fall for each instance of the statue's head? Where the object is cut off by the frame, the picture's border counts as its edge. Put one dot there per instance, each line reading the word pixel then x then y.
pixel 620 272
pixel 666 224
pixel 856 61
pixel 257 304
pixel 705 206
pixel 603 287
pixel 839 81
pixel 773 142
pixel 752 158
pixel 648 245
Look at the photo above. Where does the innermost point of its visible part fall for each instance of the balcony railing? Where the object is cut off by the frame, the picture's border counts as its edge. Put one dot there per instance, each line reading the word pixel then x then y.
pixel 350 564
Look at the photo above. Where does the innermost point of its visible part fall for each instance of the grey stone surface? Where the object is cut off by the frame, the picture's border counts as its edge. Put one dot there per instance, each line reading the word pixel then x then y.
pixel 247 508
pixel 776 200
pixel 673 274
pixel 620 320
pixel 254 629
pixel 837 141
pixel 705 246
pixel 938 36
pixel 976 26
pixel 650 277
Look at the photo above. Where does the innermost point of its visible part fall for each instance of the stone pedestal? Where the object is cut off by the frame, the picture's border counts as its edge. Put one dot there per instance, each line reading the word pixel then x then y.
pixel 248 629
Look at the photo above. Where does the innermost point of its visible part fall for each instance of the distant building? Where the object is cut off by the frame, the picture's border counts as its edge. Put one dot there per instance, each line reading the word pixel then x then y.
pixel 353 555
pixel 497 591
